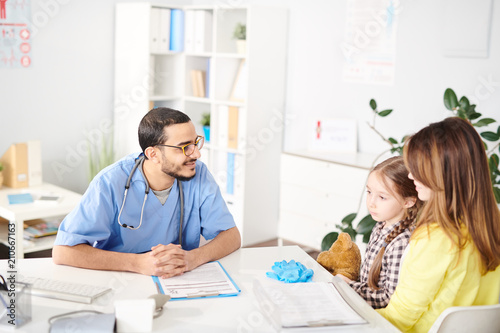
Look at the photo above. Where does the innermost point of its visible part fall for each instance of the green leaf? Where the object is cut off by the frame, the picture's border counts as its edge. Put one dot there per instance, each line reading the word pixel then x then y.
pixel 373 104
pixel 450 99
pixel 349 218
pixel 498 130
pixel 366 225
pixel 464 103
pixel 366 238
pixel 461 114
pixel 490 136
pixel 328 240
pixel 474 115
pixel 493 162
pixel 392 140
pixel 385 113
pixel 485 122
pixel 496 192
pixel 351 233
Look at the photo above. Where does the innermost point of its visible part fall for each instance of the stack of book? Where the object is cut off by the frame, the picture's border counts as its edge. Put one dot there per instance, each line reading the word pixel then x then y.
pixel 41 229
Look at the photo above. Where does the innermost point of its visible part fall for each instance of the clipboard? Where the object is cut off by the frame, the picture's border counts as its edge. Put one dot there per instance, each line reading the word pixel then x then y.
pixel 205 281
pixel 305 305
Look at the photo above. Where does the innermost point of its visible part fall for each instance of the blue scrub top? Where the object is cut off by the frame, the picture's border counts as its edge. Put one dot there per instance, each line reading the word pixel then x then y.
pixel 95 220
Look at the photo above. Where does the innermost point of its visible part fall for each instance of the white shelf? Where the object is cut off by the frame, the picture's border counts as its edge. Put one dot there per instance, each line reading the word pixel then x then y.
pixel 231 55
pixel 229 103
pixel 164 98
pixel 39 244
pixel 199 54
pixel 197 99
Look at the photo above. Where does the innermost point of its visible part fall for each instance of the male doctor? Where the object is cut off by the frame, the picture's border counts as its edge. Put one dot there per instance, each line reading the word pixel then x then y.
pixel 139 231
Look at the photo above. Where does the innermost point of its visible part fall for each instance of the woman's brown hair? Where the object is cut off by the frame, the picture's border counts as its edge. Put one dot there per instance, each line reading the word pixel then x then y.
pixel 394 176
pixel 449 158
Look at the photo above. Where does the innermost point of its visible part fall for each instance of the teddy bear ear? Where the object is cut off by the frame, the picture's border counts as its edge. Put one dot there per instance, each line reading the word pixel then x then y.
pixel 345 240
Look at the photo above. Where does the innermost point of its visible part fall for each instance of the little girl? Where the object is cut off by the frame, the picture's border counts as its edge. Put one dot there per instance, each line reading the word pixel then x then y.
pixel 393 202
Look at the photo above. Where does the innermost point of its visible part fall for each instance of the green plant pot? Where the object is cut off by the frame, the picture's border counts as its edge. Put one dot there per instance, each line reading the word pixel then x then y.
pixel 206 132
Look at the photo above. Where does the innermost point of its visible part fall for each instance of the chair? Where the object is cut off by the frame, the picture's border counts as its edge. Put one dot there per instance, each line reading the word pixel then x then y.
pixel 478 318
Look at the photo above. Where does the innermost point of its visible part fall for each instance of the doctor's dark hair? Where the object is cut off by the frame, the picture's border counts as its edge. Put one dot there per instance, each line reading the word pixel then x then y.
pixel 394 175
pixel 151 128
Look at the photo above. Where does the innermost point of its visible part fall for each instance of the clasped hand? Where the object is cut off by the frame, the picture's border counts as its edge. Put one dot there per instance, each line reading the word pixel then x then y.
pixel 166 261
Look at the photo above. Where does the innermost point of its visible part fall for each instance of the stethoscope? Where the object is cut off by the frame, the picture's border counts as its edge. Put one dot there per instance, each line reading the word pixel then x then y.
pixel 138 162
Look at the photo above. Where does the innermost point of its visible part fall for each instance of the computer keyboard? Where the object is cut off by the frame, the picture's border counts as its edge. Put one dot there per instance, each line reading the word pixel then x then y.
pixel 62 290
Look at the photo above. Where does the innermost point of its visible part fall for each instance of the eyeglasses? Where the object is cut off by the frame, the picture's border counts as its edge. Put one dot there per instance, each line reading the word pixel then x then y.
pixel 188 149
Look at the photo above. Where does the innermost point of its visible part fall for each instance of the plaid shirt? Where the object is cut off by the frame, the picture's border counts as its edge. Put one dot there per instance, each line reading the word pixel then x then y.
pixel 389 271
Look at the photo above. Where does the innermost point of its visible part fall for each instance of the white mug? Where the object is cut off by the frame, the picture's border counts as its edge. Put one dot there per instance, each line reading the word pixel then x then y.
pixel 134 315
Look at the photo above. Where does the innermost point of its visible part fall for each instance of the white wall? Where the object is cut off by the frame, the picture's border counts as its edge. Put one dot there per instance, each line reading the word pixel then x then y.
pixel 68 91
pixel 315 85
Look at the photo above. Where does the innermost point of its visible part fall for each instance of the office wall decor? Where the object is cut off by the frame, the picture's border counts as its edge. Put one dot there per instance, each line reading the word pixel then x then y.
pixel 15 34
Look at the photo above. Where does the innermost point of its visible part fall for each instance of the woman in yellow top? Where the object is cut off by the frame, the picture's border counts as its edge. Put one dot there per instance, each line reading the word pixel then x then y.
pixel 454 254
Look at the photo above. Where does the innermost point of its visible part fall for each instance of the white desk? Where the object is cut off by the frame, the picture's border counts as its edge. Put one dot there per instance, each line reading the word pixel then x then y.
pixel 226 314
pixel 19 213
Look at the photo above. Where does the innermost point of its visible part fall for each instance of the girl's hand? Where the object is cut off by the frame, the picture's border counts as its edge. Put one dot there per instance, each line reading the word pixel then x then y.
pixel 346 279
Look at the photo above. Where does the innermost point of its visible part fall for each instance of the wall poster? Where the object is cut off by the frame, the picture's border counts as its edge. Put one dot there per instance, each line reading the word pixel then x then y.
pixel 15 33
pixel 369 46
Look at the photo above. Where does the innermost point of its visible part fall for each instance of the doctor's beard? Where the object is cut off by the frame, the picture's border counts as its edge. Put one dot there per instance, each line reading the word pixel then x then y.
pixel 174 170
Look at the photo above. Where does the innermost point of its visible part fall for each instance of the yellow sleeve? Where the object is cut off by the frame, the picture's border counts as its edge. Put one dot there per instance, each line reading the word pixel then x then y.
pixel 422 275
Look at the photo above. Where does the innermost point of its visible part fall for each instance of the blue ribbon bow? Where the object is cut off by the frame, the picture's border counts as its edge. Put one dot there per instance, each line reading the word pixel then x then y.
pixel 290 272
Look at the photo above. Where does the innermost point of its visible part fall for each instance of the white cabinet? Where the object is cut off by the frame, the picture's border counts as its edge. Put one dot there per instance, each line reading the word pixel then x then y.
pixel 316 193
pixel 244 93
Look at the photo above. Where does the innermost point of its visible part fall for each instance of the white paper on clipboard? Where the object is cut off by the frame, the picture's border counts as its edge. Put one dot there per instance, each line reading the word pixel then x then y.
pixel 207 280
pixel 312 304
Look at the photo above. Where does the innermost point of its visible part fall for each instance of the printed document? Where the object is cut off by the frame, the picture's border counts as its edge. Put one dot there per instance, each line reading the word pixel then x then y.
pixel 305 305
pixel 207 280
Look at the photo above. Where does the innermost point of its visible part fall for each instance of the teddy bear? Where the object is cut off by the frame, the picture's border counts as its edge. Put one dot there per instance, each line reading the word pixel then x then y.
pixel 343 257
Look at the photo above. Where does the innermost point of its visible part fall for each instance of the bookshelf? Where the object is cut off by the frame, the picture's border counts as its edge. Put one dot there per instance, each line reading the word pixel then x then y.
pixel 244 93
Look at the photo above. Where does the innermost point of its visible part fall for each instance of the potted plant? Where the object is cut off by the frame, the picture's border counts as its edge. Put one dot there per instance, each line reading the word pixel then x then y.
pixel 240 34
pixel 205 122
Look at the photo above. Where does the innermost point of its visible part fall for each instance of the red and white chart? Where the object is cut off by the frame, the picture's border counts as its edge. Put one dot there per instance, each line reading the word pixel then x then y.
pixel 15 34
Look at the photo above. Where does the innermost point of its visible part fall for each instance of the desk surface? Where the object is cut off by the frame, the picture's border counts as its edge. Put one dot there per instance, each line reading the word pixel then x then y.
pixel 37 210
pixel 228 314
